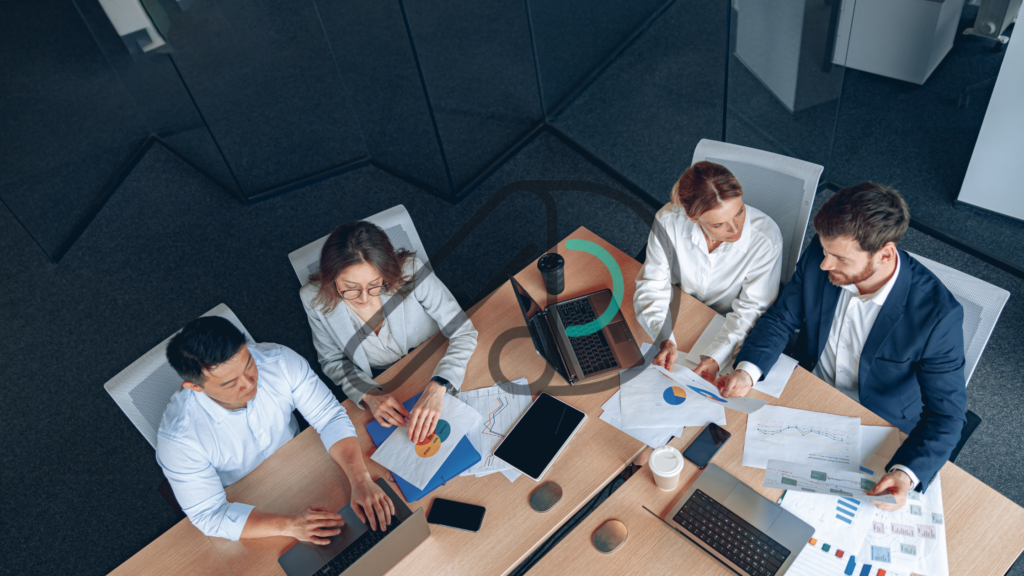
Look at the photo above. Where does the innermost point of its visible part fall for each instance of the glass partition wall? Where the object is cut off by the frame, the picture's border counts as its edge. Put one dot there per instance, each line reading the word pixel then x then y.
pixel 263 96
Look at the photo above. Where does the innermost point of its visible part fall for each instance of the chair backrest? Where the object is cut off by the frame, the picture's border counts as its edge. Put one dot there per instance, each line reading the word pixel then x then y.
pixel 143 389
pixel 780 186
pixel 982 302
pixel 395 222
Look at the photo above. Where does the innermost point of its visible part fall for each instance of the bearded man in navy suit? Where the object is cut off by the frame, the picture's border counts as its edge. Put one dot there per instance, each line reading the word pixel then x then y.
pixel 875 324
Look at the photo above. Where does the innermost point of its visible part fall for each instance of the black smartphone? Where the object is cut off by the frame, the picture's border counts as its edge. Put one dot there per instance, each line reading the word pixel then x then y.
pixel 704 448
pixel 466 517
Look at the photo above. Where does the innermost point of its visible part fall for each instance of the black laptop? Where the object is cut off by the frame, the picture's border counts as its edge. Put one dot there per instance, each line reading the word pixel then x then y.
pixel 604 352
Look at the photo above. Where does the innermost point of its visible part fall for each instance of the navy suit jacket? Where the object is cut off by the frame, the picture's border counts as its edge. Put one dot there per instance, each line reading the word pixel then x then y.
pixel 911 371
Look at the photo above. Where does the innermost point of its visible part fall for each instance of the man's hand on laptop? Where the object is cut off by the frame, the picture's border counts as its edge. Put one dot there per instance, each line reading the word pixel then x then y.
pixel 735 385
pixel 314 525
pixel 896 483
pixel 667 356
pixel 371 504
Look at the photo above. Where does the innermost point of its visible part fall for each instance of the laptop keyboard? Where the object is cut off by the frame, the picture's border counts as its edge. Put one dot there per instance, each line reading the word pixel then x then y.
pixel 355 550
pixel 592 351
pixel 731 536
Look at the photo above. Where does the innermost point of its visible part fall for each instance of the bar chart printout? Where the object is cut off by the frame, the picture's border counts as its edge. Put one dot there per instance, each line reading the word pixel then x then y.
pixel 819 558
pixel 809 438
pixel 913 538
pixel 808 479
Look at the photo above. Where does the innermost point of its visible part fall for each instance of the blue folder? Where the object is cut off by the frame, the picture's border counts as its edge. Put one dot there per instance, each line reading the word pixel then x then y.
pixel 464 456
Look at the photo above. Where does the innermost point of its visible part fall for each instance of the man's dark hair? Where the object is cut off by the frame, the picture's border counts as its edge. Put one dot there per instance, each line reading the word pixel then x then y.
pixel 871 213
pixel 201 345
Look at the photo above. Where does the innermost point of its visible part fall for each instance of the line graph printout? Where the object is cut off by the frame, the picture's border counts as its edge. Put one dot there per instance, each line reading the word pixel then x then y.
pixel 803 437
pixel 500 406
pixel 852 486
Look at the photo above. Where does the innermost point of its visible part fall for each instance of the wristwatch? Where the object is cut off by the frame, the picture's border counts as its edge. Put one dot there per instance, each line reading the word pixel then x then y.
pixel 449 388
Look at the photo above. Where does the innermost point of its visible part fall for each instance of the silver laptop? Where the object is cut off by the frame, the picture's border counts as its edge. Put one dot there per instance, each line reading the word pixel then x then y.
pixel 607 351
pixel 739 527
pixel 359 551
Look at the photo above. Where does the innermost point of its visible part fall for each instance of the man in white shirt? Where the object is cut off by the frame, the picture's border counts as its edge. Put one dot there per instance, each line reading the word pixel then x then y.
pixel 877 325
pixel 234 410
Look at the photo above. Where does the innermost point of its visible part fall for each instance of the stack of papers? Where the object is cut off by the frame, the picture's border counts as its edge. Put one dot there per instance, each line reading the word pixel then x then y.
pixel 500 407
pixel 418 463
pixel 657 398
pixel 911 539
pixel 774 381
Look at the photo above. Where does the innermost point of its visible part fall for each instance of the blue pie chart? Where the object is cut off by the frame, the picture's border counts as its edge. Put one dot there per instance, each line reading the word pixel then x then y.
pixel 674 395
pixel 443 429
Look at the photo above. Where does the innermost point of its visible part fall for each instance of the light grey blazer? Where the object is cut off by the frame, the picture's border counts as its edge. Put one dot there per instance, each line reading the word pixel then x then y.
pixel 412 319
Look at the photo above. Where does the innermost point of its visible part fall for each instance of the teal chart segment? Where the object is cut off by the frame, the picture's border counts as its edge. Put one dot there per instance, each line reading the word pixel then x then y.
pixel 618 287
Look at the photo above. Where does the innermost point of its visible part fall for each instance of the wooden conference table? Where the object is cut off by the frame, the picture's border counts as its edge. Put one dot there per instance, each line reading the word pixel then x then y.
pixel 983 528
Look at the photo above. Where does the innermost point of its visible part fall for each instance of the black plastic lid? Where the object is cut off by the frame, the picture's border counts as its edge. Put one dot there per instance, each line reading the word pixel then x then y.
pixel 550 262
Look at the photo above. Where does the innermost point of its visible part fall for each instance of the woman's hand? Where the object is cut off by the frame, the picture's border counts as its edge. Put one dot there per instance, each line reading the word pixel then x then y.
pixel 426 413
pixel 386 410
pixel 707 369
pixel 667 355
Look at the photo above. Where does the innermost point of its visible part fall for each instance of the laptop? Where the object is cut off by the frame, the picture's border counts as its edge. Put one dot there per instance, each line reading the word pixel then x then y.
pixel 742 529
pixel 359 551
pixel 607 351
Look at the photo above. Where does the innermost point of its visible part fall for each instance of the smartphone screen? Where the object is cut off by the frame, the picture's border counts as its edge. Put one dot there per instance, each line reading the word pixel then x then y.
pixel 704 448
pixel 456 514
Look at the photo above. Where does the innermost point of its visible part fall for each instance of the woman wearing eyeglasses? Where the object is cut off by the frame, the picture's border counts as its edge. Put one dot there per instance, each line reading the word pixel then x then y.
pixel 368 306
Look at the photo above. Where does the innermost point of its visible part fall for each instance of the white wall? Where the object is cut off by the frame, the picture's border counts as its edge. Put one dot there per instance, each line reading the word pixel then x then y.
pixel 995 177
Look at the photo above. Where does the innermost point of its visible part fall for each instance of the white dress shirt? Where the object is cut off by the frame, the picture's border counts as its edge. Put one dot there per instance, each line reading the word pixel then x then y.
pixel 381 348
pixel 203 447
pixel 839 364
pixel 739 279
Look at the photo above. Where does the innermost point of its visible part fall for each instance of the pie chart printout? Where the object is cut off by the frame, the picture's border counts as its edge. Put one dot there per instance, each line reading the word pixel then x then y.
pixel 675 395
pixel 432 444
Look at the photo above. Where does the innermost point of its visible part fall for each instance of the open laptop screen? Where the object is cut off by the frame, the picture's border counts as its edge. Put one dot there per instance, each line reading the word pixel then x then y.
pixel 529 308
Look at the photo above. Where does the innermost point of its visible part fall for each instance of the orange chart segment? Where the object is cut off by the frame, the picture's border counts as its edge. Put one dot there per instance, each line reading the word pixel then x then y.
pixel 430 446
pixel 674 395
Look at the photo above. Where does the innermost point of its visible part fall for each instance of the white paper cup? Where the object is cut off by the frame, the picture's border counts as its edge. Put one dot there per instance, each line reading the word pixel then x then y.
pixel 666 463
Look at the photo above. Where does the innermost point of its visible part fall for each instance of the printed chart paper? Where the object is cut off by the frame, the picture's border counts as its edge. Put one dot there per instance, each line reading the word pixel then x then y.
pixel 776 379
pixel 499 406
pixel 819 558
pixel 417 463
pixel 694 382
pixel 851 485
pixel 654 399
pixel 832 520
pixel 706 338
pixel 811 438
pixel 653 437
pixel 913 538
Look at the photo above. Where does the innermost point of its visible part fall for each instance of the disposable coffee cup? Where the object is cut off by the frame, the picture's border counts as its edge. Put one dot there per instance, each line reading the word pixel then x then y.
pixel 552 269
pixel 666 463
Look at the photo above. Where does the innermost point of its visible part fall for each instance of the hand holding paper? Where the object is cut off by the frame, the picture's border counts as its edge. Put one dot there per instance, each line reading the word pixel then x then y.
pixel 418 462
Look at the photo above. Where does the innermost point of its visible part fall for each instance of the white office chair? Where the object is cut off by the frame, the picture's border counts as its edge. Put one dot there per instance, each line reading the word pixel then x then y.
pixel 395 222
pixel 982 302
pixel 780 186
pixel 143 389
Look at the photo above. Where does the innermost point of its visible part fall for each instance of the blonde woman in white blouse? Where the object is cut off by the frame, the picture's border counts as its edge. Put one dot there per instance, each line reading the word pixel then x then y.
pixel 718 250
pixel 368 306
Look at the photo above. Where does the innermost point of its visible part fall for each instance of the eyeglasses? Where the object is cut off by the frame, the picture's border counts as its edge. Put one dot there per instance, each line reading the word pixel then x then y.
pixel 355 294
